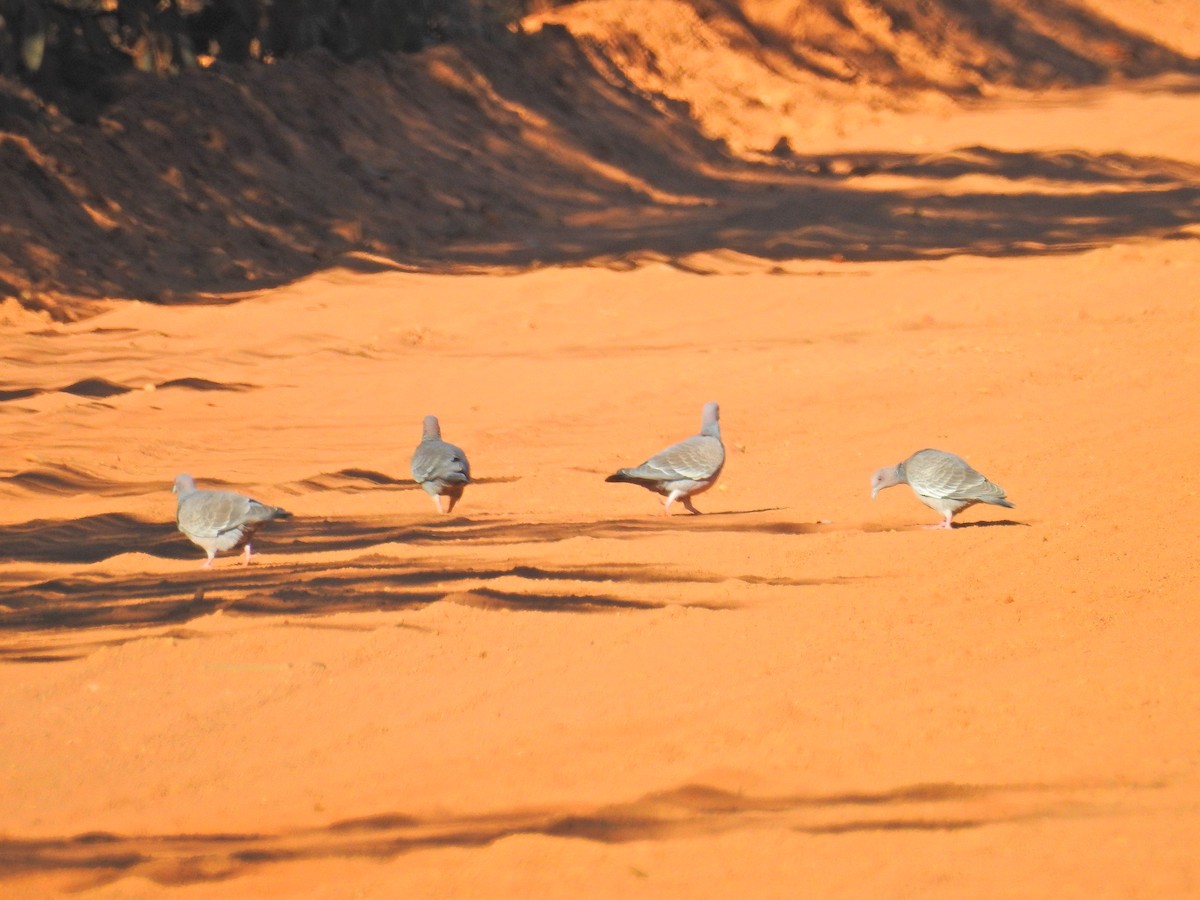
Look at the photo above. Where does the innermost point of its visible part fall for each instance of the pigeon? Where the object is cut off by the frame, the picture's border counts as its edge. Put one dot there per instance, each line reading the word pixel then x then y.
pixel 440 468
pixel 220 520
pixel 941 481
pixel 684 469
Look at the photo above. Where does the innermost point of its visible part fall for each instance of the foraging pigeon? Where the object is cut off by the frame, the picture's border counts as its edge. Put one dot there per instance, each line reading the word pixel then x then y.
pixel 683 469
pixel 220 520
pixel 440 468
pixel 941 481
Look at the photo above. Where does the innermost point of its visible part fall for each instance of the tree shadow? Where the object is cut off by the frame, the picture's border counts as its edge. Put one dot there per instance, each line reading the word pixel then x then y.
pixel 92 539
pixel 1030 46
pixel 62 479
pixel 66 480
pixel 304 583
pixel 691 810
pixel 371 583
pixel 102 388
pixel 557 159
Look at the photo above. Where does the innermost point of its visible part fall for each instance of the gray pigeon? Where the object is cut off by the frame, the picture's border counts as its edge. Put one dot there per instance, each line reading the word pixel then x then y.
pixel 220 520
pixel 440 468
pixel 683 469
pixel 941 481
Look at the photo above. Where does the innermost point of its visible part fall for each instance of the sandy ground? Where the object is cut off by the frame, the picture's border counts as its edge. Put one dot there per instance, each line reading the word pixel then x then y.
pixel 558 691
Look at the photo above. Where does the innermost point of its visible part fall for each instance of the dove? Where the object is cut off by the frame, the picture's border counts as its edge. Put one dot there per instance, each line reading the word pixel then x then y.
pixel 220 520
pixel 684 469
pixel 440 468
pixel 941 481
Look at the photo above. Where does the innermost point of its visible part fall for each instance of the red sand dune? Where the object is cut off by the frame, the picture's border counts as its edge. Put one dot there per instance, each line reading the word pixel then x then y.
pixel 564 247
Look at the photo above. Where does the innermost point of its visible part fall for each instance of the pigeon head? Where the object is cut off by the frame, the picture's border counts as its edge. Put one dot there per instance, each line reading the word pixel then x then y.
pixel 184 484
pixel 431 430
pixel 886 478
pixel 710 420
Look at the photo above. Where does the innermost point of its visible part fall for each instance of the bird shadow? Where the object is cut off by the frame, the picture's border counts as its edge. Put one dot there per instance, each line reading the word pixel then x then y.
pixel 882 528
pixel 993 523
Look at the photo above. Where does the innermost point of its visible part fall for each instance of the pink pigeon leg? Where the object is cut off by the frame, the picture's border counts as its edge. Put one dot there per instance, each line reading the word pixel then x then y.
pixel 246 554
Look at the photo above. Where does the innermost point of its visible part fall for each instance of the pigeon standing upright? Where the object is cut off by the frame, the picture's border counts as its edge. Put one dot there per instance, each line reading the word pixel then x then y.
pixel 219 520
pixel 684 469
pixel 942 481
pixel 440 468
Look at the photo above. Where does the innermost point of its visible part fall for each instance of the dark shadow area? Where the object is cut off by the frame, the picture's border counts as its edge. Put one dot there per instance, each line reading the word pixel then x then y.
pixel 351 481
pixel 689 811
pixel 992 523
pixel 531 152
pixel 354 481
pixel 204 384
pixel 60 479
pixel 101 388
pixel 91 539
pixel 96 388
pixel 1018 43
pixel 881 528
pixel 369 584
pixel 51 651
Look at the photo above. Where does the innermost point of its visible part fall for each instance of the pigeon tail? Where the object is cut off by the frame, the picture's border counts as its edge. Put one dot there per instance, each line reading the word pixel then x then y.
pixel 654 481
pixel 623 476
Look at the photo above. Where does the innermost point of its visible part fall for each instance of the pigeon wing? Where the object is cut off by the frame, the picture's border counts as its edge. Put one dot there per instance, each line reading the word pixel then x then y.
pixel 697 458
pixel 209 514
pixel 440 461
pixel 945 476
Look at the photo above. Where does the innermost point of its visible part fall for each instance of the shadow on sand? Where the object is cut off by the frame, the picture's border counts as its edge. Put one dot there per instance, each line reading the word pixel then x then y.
pixel 91 539
pixel 573 167
pixel 692 810
pixel 387 577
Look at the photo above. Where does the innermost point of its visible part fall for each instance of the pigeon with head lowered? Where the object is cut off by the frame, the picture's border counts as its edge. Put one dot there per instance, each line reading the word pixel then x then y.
pixel 684 469
pixel 440 468
pixel 942 481
pixel 220 520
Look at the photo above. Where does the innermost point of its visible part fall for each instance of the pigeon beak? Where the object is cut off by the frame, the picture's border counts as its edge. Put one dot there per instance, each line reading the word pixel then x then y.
pixel 874 491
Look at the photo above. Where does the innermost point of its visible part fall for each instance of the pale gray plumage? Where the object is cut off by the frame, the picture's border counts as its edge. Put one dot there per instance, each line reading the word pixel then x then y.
pixel 219 520
pixel 440 468
pixel 685 469
pixel 942 481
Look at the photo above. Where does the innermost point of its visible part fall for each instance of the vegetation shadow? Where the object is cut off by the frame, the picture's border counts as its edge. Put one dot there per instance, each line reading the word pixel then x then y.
pixel 91 539
pixel 581 167
pixel 692 810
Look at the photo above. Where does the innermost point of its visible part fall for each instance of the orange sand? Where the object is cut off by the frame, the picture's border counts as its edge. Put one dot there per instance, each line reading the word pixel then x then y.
pixel 557 691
